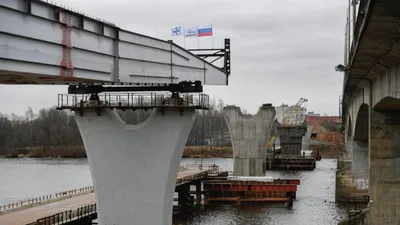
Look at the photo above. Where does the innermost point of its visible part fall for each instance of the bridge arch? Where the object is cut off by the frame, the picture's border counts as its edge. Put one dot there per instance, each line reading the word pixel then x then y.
pixel 388 104
pixel 359 167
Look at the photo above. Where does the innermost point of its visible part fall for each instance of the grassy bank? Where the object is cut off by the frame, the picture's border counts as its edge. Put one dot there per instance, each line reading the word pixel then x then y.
pixel 48 152
pixel 207 152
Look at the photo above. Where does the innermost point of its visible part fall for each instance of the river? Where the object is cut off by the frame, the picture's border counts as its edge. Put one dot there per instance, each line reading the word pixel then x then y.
pixel 26 178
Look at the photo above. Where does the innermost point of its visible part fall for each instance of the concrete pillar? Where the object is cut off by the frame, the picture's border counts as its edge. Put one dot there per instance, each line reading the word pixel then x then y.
pixel 348 154
pixel 359 165
pixel 291 139
pixel 134 167
pixel 384 168
pixel 306 139
pixel 249 136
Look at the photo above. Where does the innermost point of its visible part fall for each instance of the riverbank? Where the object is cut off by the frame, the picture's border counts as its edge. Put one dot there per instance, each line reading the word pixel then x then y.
pixel 326 151
pixel 79 152
pixel 73 151
pixel 207 152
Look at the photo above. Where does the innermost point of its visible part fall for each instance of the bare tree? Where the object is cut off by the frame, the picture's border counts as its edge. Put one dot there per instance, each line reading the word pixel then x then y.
pixel 51 128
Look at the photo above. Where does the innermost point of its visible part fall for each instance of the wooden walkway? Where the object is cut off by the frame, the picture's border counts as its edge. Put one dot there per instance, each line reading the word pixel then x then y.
pixel 30 215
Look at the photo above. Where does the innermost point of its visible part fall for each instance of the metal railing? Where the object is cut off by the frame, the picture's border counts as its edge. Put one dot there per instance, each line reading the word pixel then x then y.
pixel 204 167
pixel 68 216
pixel 45 198
pixel 133 101
pixel 190 178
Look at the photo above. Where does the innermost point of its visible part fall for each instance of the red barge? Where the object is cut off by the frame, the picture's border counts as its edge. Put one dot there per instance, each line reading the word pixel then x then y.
pixel 241 190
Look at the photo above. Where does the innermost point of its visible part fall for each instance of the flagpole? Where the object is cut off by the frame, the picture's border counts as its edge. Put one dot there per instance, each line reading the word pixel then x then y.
pixel 212 38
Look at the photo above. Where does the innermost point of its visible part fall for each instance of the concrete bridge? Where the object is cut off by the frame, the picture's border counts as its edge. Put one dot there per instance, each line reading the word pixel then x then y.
pixel 371 104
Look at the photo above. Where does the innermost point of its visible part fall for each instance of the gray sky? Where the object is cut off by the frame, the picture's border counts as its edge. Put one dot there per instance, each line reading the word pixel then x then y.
pixel 281 50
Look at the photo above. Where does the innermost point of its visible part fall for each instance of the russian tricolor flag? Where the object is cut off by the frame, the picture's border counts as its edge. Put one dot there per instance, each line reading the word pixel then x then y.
pixel 205 31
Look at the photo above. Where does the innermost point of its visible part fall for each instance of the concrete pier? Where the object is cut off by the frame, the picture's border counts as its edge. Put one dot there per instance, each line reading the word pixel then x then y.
pixel 307 139
pixel 291 139
pixel 250 135
pixel 134 167
pixel 384 164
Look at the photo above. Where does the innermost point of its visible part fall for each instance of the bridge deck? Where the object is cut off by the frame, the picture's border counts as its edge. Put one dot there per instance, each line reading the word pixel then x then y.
pixel 30 215
pixel 41 43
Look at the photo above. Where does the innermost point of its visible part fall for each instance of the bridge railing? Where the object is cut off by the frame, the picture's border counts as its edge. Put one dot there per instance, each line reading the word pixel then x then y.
pixel 44 199
pixel 204 168
pixel 190 178
pixel 88 211
pixel 132 100
pixel 356 12
pixel 209 167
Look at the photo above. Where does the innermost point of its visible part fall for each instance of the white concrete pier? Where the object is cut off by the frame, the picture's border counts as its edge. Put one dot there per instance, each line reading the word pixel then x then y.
pixel 134 167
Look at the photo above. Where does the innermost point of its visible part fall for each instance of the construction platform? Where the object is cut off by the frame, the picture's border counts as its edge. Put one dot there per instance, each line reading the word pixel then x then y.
pixel 131 101
pixel 297 162
pixel 249 190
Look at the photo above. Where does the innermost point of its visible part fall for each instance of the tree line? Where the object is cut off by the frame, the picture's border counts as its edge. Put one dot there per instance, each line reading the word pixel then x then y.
pixel 52 132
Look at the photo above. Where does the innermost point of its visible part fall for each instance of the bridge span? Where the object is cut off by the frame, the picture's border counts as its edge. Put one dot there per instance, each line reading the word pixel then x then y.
pixel 371 104
pixel 41 43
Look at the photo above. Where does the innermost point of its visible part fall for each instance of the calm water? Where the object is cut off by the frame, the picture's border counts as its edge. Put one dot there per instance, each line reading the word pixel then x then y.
pixel 25 178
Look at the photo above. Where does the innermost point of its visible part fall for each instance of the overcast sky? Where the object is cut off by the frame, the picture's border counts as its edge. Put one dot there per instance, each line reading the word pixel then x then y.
pixel 281 50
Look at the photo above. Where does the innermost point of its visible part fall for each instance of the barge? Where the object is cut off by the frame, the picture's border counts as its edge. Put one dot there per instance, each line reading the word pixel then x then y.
pixel 249 190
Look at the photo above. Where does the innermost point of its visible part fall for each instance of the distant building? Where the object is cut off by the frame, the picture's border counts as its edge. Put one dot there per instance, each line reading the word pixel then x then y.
pixel 311 113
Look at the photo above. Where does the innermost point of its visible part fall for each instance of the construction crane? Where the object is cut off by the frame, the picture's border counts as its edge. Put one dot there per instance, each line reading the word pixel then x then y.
pixel 289 119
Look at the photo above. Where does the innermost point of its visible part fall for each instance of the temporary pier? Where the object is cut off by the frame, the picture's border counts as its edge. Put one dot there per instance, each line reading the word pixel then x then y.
pixel 278 162
pixel 242 190
pixel 290 156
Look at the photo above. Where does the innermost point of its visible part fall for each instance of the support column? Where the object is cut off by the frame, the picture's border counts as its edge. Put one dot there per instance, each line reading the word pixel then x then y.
pixel 307 139
pixel 291 138
pixel 359 165
pixel 134 167
pixel 249 136
pixel 384 168
pixel 198 194
pixel 348 154
pixel 183 197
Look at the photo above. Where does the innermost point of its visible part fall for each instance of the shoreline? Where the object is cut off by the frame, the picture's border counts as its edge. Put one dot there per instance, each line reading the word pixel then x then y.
pixel 194 152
